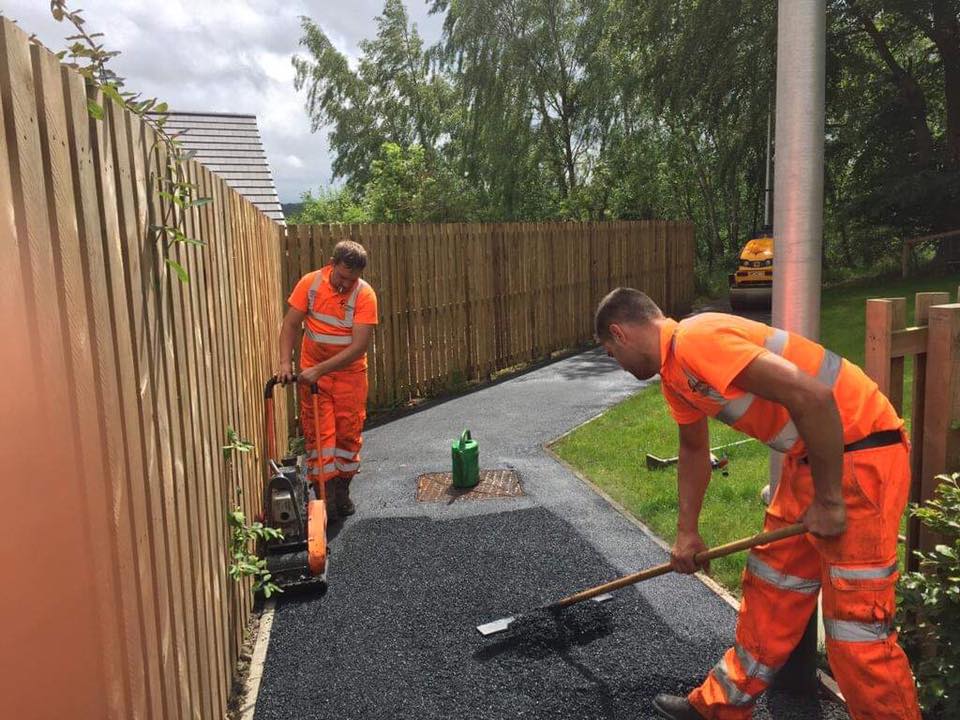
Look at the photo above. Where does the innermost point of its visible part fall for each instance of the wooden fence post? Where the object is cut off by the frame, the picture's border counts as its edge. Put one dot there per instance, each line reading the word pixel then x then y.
pixel 921 316
pixel 884 317
pixel 941 441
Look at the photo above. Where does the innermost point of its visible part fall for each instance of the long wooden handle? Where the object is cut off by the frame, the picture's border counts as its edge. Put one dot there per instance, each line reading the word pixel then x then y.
pixel 699 558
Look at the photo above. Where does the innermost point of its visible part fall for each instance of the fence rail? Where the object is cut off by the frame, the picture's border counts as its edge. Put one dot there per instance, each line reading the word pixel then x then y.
pixel 119 382
pixel 934 345
pixel 459 302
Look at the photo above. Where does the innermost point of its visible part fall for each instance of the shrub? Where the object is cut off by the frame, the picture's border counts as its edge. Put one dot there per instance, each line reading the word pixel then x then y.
pixel 929 615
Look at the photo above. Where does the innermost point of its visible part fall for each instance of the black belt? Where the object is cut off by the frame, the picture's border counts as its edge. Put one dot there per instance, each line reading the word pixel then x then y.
pixel 881 438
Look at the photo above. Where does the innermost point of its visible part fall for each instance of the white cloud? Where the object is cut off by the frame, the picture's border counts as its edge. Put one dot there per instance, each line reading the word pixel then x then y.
pixel 227 56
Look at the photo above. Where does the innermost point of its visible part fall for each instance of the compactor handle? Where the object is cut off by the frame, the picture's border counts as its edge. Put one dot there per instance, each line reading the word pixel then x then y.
pixel 268 414
pixel 274 380
pixel 465 437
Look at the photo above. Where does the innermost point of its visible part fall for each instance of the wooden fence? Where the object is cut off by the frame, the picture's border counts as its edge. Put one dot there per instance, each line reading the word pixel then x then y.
pixel 909 246
pixel 934 344
pixel 119 382
pixel 459 302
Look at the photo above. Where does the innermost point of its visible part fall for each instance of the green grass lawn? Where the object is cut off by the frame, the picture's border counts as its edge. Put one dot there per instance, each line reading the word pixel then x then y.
pixel 611 450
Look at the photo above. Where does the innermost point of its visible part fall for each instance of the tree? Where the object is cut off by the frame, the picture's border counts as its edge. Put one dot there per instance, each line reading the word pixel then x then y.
pixel 408 186
pixel 556 109
pixel 897 110
pixel 392 96
pixel 329 206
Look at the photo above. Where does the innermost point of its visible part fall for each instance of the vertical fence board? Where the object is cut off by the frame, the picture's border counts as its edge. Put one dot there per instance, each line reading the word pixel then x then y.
pixel 142 373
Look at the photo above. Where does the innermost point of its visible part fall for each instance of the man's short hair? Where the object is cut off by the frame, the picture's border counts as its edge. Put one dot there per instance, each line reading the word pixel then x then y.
pixel 351 254
pixel 621 306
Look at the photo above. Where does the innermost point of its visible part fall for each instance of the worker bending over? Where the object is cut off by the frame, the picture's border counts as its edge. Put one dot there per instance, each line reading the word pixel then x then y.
pixel 845 477
pixel 338 311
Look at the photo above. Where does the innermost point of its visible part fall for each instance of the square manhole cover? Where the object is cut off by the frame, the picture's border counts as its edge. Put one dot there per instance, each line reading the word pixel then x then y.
pixel 438 487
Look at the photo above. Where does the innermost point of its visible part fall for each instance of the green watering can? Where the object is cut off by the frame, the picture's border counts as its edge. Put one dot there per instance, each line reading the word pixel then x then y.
pixel 466 461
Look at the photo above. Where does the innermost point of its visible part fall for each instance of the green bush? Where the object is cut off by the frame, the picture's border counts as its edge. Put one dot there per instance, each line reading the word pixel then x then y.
pixel 930 605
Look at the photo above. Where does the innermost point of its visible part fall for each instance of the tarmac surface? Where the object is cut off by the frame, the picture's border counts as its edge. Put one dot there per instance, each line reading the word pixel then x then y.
pixel 395 637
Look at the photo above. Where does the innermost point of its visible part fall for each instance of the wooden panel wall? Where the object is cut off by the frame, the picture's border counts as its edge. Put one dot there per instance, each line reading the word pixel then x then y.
pixel 119 383
pixel 459 302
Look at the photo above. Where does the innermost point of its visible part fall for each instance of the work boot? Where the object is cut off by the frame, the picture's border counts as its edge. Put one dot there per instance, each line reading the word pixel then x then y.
pixel 675 708
pixel 344 503
pixel 331 505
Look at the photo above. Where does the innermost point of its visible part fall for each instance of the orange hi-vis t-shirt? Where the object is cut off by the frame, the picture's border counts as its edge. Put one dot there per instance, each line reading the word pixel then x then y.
pixel 331 315
pixel 702 356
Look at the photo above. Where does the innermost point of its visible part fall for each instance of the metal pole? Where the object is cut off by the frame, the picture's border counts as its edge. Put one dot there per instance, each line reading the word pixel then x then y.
pixel 798 179
pixel 798 217
pixel 767 190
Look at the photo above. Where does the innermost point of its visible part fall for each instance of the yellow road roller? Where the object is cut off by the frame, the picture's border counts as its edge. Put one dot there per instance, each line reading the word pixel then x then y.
pixel 751 286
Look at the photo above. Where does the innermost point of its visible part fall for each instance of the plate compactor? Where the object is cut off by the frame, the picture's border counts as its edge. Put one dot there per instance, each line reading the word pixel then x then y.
pixel 290 504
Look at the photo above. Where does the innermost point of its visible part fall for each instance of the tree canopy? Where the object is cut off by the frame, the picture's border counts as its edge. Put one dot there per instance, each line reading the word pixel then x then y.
pixel 609 109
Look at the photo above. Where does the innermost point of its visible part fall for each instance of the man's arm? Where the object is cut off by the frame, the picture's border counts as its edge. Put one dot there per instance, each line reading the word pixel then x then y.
pixel 814 412
pixel 693 476
pixel 361 340
pixel 288 336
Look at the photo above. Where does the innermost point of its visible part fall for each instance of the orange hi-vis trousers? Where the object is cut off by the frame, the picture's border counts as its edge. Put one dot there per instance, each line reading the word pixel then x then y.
pixel 343 410
pixel 856 573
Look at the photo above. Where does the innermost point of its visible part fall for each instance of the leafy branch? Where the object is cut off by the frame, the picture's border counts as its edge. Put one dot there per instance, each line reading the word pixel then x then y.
pixel 90 57
pixel 245 536
pixel 245 561
pixel 235 443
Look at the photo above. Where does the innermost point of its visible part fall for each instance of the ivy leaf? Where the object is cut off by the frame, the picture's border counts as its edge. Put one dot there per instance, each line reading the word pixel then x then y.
pixel 111 91
pixel 199 202
pixel 94 109
pixel 178 269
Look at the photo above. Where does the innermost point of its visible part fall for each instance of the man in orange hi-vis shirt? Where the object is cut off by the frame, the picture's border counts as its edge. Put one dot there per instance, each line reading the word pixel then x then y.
pixel 845 477
pixel 338 311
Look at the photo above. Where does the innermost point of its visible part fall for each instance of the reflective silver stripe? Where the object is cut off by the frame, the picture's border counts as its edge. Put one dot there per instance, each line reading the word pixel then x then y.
pixel 312 292
pixel 786 438
pixel 328 452
pixel 777 341
pixel 351 306
pixel 347 467
pixel 753 667
pixel 735 409
pixel 352 303
pixel 348 454
pixel 330 320
pixel 329 339
pixel 701 388
pixel 735 696
pixel 316 469
pixel 758 568
pixel 857 632
pixel 312 455
pixel 874 573
pixel 829 368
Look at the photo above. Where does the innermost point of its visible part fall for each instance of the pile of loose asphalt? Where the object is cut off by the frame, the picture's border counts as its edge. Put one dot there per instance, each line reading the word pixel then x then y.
pixel 395 635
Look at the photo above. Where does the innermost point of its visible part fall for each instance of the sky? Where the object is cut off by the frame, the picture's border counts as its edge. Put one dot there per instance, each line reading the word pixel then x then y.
pixel 227 56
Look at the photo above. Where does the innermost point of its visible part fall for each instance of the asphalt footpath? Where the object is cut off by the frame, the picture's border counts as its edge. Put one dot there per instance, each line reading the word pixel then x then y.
pixel 395 635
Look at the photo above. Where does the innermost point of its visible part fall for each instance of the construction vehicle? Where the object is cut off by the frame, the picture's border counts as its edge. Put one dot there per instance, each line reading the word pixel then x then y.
pixel 751 286
pixel 291 504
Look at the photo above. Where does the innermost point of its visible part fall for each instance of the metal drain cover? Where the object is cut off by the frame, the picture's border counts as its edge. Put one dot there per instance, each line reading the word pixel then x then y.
pixel 494 484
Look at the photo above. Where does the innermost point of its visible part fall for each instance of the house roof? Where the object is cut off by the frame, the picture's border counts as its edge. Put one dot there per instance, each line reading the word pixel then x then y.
pixel 230 146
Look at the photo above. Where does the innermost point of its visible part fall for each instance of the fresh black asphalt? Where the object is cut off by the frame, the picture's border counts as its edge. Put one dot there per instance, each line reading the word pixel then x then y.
pixel 395 637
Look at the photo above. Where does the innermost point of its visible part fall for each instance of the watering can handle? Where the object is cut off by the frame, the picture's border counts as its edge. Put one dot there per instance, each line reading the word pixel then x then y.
pixel 465 437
